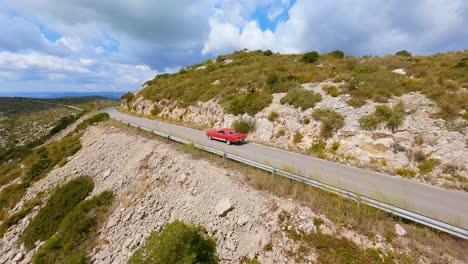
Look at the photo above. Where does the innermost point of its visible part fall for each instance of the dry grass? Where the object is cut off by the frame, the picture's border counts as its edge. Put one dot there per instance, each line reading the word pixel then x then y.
pixel 347 213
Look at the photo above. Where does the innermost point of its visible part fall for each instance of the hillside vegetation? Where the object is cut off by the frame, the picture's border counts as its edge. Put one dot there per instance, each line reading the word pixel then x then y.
pixel 244 81
pixel 401 114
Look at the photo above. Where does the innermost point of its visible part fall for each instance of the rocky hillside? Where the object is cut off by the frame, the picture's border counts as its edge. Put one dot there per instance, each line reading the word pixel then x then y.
pixel 27 121
pixel 251 216
pixel 402 115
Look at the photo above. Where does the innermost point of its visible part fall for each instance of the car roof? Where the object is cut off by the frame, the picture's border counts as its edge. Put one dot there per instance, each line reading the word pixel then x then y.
pixel 227 129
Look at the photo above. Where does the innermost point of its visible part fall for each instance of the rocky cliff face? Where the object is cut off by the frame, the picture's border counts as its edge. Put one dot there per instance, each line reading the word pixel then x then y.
pixel 420 134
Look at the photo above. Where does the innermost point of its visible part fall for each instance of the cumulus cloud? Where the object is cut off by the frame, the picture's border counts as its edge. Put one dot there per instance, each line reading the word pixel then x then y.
pixel 120 44
pixel 357 27
pixel 18 34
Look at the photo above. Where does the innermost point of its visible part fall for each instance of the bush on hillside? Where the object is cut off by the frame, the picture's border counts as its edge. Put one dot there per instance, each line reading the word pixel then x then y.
pixel 272 116
pixel 100 117
pixel 251 103
pixel 403 53
pixel 128 97
pixel 428 165
pixel 272 79
pixel 177 243
pixel 64 199
pixel 156 110
pixel 14 219
pixel 338 54
pixel 463 63
pixel 74 237
pixel 393 117
pixel 244 126
pixel 332 90
pixel 267 53
pixel 331 121
pixel 63 123
pixel 310 57
pixel 301 98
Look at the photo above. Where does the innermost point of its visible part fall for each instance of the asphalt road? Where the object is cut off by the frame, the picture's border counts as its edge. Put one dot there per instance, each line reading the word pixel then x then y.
pixel 450 206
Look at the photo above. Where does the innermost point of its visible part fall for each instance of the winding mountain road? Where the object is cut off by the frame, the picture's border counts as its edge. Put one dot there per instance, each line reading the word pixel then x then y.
pixel 450 206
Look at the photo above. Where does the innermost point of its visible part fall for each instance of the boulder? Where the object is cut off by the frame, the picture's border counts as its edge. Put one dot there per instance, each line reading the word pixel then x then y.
pixel 399 71
pixel 400 230
pixel 223 206
pixel 243 219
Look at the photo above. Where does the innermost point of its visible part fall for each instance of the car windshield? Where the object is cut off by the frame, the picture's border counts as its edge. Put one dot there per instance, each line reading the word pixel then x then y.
pixel 232 132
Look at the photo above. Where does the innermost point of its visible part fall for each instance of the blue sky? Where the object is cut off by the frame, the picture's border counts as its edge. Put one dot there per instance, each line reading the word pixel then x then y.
pixel 116 45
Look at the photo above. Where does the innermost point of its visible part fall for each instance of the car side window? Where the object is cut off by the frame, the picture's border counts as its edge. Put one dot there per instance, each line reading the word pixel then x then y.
pixel 221 132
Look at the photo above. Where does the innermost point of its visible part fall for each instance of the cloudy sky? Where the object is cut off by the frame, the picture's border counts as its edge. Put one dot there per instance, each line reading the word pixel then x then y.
pixel 116 45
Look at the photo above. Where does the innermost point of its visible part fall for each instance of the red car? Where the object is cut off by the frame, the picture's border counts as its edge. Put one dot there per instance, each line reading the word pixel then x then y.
pixel 229 135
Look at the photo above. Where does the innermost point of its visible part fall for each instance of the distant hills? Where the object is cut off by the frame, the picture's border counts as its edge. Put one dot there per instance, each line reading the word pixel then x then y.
pixel 110 95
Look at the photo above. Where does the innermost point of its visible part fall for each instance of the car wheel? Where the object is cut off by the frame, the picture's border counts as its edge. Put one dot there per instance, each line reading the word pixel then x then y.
pixel 228 142
pixel 210 138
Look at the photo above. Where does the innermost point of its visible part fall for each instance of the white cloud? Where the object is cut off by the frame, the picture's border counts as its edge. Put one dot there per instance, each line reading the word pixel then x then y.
pixel 38 61
pixel 362 27
pixel 120 44
pixel 225 37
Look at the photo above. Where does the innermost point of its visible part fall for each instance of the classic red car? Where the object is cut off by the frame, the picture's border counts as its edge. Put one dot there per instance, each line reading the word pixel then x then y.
pixel 229 135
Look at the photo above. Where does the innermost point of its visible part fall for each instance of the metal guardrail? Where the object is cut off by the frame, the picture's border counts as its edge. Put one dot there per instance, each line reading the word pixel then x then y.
pixel 415 217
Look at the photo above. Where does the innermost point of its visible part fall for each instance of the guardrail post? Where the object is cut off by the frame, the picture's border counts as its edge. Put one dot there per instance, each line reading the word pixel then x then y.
pixel 168 138
pixel 224 155
pixel 273 171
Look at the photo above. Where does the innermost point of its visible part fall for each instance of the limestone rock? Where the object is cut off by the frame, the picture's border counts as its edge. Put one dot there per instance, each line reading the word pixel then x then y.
pixel 399 71
pixel 243 219
pixel 399 230
pixel 223 206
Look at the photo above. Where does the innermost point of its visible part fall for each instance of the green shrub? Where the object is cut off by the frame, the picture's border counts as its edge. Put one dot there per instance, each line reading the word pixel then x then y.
pixel 338 54
pixel 369 122
pixel 403 53
pixel 252 261
pixel 177 243
pixel 331 121
pixel 272 116
pixel 16 217
pixel 267 53
pixel 156 110
pixel 128 97
pixel 220 58
pixel 393 117
pixel 301 98
pixel 419 156
pixel 272 79
pixel 463 63
pixel 251 103
pixel 268 246
pixel 100 117
pixel 335 145
pixel 428 165
pixel 305 121
pixel 63 123
pixel 310 57
pixel 74 236
pixel 244 126
pixel 11 194
pixel 318 148
pixel 318 222
pixel 356 102
pixel 451 169
pixel 297 138
pixel 408 173
pixel 281 133
pixel 332 90
pixel 64 199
